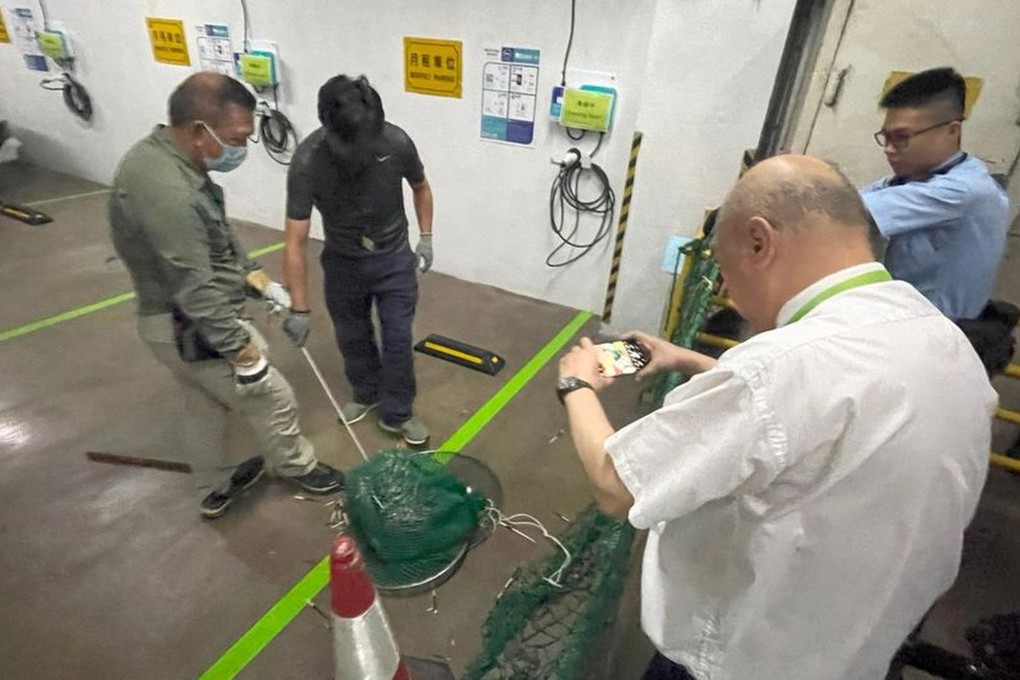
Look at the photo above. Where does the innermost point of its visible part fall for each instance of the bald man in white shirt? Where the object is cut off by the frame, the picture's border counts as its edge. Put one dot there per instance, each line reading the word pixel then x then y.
pixel 806 494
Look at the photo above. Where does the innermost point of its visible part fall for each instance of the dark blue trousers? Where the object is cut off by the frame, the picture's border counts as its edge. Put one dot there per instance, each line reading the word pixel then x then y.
pixel 353 284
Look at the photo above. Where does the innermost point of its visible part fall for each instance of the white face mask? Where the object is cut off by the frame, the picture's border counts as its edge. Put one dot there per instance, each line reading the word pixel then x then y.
pixel 231 157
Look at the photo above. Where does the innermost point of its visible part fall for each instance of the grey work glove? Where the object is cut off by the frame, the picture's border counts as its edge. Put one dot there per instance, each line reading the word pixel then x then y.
pixel 296 327
pixel 424 252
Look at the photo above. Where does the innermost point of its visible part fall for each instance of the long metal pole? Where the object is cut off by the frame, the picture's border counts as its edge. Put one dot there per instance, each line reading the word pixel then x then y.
pixel 332 400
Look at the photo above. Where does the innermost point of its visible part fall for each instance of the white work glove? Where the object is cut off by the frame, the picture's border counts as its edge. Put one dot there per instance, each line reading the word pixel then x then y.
pixel 277 297
pixel 275 294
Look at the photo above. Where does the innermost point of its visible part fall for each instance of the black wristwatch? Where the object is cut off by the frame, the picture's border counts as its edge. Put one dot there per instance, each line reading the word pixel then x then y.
pixel 568 384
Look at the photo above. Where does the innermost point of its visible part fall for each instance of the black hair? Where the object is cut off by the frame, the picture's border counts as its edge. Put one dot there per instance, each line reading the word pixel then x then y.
pixel 943 86
pixel 349 107
pixel 204 96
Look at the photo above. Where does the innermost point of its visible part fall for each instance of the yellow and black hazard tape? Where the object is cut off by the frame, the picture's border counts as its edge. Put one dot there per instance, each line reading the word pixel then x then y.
pixel 621 228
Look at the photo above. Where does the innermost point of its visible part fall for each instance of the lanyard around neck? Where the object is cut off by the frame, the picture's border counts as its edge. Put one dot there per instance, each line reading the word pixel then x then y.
pixel 877 276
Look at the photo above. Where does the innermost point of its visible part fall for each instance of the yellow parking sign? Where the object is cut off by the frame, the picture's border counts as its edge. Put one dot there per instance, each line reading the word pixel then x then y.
pixel 168 43
pixel 433 66
pixel 4 36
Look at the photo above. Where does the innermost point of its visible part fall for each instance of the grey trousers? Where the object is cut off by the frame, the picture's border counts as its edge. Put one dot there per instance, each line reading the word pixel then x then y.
pixel 210 392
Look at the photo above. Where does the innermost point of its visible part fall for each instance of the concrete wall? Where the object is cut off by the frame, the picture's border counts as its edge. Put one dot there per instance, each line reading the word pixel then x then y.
pixel 694 77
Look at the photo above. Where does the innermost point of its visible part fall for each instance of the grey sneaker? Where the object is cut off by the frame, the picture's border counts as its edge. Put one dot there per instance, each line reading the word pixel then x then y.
pixel 353 411
pixel 412 430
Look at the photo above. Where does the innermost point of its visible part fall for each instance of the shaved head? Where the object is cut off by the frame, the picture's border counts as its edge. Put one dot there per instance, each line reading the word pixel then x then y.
pixel 791 192
pixel 207 96
pixel 789 221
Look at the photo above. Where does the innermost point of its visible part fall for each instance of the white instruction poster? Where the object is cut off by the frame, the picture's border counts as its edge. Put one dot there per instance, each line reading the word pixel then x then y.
pixel 214 50
pixel 25 23
pixel 509 94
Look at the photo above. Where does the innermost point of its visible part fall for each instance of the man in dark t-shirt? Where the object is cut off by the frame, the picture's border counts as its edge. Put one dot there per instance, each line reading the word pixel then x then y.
pixel 352 170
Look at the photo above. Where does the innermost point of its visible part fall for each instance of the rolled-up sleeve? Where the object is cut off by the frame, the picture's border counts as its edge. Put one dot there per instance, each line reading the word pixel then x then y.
pixel 916 205
pixel 714 437
pixel 179 235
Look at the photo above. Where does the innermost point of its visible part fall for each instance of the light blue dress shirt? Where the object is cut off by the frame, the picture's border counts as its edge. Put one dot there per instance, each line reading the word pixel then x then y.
pixel 946 234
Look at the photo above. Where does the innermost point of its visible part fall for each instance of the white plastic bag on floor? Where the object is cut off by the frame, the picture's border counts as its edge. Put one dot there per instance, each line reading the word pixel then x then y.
pixel 9 145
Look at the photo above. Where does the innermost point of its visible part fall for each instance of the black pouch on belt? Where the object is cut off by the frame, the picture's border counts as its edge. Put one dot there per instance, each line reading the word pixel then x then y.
pixel 991 334
pixel 191 346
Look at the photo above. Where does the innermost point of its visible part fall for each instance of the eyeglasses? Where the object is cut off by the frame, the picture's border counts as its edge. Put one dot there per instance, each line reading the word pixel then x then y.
pixel 899 140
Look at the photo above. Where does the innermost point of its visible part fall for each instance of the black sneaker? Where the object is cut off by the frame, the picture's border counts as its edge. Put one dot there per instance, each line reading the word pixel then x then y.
pixel 244 476
pixel 322 479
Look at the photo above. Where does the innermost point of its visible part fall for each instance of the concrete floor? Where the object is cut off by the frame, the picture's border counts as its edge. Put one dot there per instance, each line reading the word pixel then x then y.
pixel 108 571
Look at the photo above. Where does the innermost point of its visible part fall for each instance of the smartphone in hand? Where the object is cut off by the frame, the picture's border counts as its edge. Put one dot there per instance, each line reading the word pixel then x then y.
pixel 621 357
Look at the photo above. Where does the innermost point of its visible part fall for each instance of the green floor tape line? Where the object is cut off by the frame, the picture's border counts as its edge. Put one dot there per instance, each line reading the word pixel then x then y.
pixel 99 306
pixel 58 199
pixel 259 252
pixel 66 316
pixel 283 612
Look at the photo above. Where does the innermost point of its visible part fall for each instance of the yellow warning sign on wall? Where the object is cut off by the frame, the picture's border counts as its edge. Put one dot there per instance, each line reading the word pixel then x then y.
pixel 168 43
pixel 433 66
pixel 4 36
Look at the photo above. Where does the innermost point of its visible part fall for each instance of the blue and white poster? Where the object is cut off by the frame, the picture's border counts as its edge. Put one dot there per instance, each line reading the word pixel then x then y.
pixel 509 94
pixel 26 25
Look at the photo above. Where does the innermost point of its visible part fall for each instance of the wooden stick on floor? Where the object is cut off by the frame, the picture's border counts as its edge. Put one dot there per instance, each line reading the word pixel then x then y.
pixel 118 459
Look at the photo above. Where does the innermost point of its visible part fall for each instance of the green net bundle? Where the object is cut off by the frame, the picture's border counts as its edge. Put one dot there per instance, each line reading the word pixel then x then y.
pixel 411 517
pixel 539 629
pixel 697 299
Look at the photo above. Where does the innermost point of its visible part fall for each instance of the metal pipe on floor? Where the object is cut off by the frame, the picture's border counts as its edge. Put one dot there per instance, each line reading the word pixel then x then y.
pixel 332 400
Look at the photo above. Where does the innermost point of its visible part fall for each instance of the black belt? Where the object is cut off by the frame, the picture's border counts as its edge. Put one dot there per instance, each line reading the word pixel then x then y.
pixel 364 244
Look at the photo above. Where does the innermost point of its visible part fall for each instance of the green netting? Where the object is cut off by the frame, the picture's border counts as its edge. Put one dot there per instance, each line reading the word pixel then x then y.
pixel 541 630
pixel 699 286
pixel 411 518
pixel 538 630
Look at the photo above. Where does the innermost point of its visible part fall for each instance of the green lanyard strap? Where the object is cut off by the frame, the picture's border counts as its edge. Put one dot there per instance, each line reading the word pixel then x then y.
pixel 877 276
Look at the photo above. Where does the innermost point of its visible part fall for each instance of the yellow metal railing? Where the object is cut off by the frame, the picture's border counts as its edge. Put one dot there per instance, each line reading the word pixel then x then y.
pixel 1002 413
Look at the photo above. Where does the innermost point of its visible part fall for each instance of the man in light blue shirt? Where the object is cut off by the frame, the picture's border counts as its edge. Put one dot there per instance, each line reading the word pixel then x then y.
pixel 943 214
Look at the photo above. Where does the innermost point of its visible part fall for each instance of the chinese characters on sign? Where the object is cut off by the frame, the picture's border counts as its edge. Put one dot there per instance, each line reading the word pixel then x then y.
pixel 433 66
pixel 168 43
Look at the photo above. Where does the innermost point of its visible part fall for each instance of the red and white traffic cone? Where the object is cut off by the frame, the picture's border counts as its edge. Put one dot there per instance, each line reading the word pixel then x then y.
pixel 363 644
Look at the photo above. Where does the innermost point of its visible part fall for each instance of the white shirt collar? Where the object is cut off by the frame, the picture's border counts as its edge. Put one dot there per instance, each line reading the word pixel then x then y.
pixel 787 311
